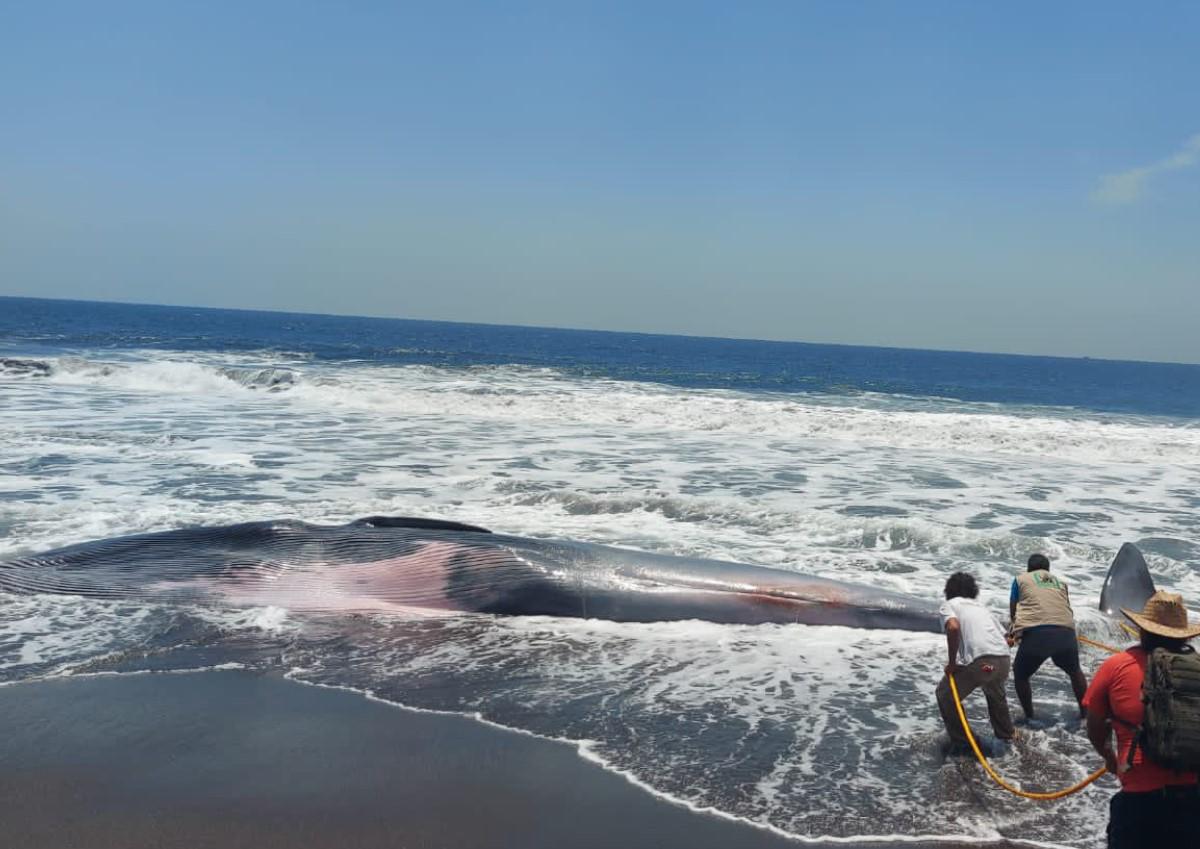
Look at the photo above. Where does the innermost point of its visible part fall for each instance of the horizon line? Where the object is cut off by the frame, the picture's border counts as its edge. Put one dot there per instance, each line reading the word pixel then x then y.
pixel 613 331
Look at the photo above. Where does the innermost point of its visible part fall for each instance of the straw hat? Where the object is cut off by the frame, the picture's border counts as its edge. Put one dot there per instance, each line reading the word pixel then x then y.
pixel 1165 615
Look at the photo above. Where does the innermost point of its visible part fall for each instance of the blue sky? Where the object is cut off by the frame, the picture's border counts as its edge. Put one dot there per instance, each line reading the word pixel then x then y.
pixel 1018 177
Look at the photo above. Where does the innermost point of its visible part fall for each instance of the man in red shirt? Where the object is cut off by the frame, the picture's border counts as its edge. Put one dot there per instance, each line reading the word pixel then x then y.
pixel 1156 806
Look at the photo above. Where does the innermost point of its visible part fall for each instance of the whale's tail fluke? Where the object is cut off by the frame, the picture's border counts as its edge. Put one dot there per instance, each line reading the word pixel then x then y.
pixel 1128 583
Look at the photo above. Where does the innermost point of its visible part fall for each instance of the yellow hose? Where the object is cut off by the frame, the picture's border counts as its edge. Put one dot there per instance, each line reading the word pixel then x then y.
pixel 1095 644
pixel 1057 794
pixel 1025 794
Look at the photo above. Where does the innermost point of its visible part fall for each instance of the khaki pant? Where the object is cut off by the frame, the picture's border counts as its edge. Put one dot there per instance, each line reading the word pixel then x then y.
pixel 989 673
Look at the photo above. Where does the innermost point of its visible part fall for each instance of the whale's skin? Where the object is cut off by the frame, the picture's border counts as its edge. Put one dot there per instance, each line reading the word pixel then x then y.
pixel 429 566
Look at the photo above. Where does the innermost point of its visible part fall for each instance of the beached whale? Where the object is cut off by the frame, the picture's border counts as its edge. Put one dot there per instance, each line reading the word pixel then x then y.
pixel 432 566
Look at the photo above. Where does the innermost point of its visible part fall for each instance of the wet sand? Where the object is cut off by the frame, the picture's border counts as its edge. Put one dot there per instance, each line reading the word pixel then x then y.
pixel 232 759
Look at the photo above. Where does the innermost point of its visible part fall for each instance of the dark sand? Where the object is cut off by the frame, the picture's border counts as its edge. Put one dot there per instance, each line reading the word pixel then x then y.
pixel 232 759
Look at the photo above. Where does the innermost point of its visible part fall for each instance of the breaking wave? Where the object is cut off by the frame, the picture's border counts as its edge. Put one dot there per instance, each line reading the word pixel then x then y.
pixel 508 394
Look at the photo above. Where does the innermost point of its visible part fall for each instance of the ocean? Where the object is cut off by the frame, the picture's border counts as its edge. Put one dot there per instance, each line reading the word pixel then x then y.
pixel 884 467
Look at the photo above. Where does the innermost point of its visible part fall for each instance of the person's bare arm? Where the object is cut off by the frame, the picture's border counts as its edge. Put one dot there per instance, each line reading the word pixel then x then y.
pixel 953 640
pixel 1099 732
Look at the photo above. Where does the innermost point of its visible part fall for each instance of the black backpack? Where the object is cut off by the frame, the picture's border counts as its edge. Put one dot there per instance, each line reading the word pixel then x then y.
pixel 1170 731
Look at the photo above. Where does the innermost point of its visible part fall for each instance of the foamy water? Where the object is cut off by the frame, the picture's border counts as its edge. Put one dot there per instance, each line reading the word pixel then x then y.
pixel 818 731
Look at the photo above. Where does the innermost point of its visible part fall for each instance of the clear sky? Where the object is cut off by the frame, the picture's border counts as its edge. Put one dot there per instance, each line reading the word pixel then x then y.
pixel 1019 177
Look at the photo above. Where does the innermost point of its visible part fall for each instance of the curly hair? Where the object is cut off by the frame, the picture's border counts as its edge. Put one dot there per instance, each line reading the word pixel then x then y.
pixel 961 584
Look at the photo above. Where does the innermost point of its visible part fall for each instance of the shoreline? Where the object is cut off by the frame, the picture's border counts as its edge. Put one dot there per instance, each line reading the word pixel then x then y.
pixel 235 759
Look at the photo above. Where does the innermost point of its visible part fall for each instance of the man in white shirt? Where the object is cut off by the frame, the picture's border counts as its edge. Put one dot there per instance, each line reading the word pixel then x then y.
pixel 978 654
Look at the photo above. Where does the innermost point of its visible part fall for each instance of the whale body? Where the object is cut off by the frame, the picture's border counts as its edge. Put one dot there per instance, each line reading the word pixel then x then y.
pixel 430 566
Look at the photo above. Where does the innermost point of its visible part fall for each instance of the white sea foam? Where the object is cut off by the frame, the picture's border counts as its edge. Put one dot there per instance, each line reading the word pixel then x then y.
pixel 543 395
pixel 269 619
pixel 42 633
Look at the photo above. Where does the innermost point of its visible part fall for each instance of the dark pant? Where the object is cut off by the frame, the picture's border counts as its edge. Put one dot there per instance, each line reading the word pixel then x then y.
pixel 1055 642
pixel 1160 818
pixel 989 674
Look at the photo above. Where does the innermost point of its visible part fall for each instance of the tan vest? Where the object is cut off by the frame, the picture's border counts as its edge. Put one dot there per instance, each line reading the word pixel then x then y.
pixel 1042 600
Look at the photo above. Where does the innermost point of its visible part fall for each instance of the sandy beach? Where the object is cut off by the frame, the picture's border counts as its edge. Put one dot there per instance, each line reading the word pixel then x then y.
pixel 232 759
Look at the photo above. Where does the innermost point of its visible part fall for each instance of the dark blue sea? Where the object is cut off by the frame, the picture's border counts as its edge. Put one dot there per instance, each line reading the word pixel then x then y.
pixel 30 325
pixel 884 467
